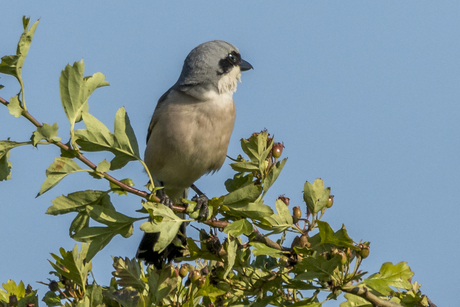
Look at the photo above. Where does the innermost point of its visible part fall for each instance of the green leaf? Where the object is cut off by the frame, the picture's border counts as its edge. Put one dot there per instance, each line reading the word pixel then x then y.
pixel 96 238
pixel 273 175
pixel 278 222
pixel 12 288
pixel 339 238
pixel 315 195
pixel 73 264
pixel 111 218
pixel 161 283
pixel 99 237
pixel 8 65
pixel 52 299
pixel 24 42
pixel 94 295
pixel 164 221
pixel 103 166
pixel 60 168
pixel 231 255
pixel 6 146
pixel 355 301
pixel 5 164
pixel 245 166
pixel 14 107
pixel 317 268
pixel 262 249
pixel 115 188
pixel 129 273
pixel 238 228
pixel 124 133
pixel 238 181
pixel 75 202
pixel 126 297
pixel 5 167
pixel 12 65
pixel 97 137
pixel 75 90
pixel 247 193
pixel 397 275
pixel 46 132
pixel 79 222
pixel 254 210
pixel 196 253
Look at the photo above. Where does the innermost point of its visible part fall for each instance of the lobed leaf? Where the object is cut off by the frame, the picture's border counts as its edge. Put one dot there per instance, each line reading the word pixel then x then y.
pixel 397 275
pixel 12 65
pixel 253 210
pixel 129 273
pixel 164 221
pixel 277 223
pixel 315 195
pixel 231 255
pixel 339 238
pixel 73 264
pixel 60 168
pixel 46 132
pixel 262 249
pixel 14 107
pixel 97 137
pixel 75 202
pixel 238 228
pixel 75 90
pixel 247 193
pixel 273 175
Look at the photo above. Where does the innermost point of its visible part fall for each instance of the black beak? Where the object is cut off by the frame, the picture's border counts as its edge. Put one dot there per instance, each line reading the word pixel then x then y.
pixel 244 66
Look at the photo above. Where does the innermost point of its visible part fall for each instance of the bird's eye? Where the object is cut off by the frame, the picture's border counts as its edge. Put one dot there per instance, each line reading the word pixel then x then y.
pixel 231 57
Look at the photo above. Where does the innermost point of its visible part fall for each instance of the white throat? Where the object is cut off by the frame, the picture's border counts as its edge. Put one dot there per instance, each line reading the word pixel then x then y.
pixel 228 83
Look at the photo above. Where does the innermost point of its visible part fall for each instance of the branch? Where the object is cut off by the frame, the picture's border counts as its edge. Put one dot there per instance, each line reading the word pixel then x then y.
pixel 85 160
pixel 364 293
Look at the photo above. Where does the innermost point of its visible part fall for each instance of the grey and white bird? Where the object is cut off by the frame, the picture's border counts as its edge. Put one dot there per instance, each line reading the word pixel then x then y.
pixel 190 130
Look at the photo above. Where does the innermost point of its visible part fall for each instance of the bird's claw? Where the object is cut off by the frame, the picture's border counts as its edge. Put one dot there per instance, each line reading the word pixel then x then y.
pixel 165 200
pixel 202 205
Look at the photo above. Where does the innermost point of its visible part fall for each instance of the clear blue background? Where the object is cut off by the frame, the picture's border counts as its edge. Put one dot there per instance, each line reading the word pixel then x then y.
pixel 364 94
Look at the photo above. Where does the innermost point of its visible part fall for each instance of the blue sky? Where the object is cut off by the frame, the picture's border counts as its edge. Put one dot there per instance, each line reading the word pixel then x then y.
pixel 364 94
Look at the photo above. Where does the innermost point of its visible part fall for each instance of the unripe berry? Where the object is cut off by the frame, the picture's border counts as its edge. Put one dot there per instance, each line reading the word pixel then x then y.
pixel 277 150
pixel 195 275
pixel 296 213
pixel 330 201
pixel 201 281
pixel 364 252
pixel 183 270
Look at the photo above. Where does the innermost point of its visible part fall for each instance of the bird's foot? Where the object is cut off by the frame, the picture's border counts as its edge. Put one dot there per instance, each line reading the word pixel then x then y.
pixel 202 205
pixel 165 200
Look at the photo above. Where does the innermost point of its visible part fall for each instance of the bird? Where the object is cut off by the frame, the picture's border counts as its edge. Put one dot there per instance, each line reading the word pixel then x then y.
pixel 189 133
